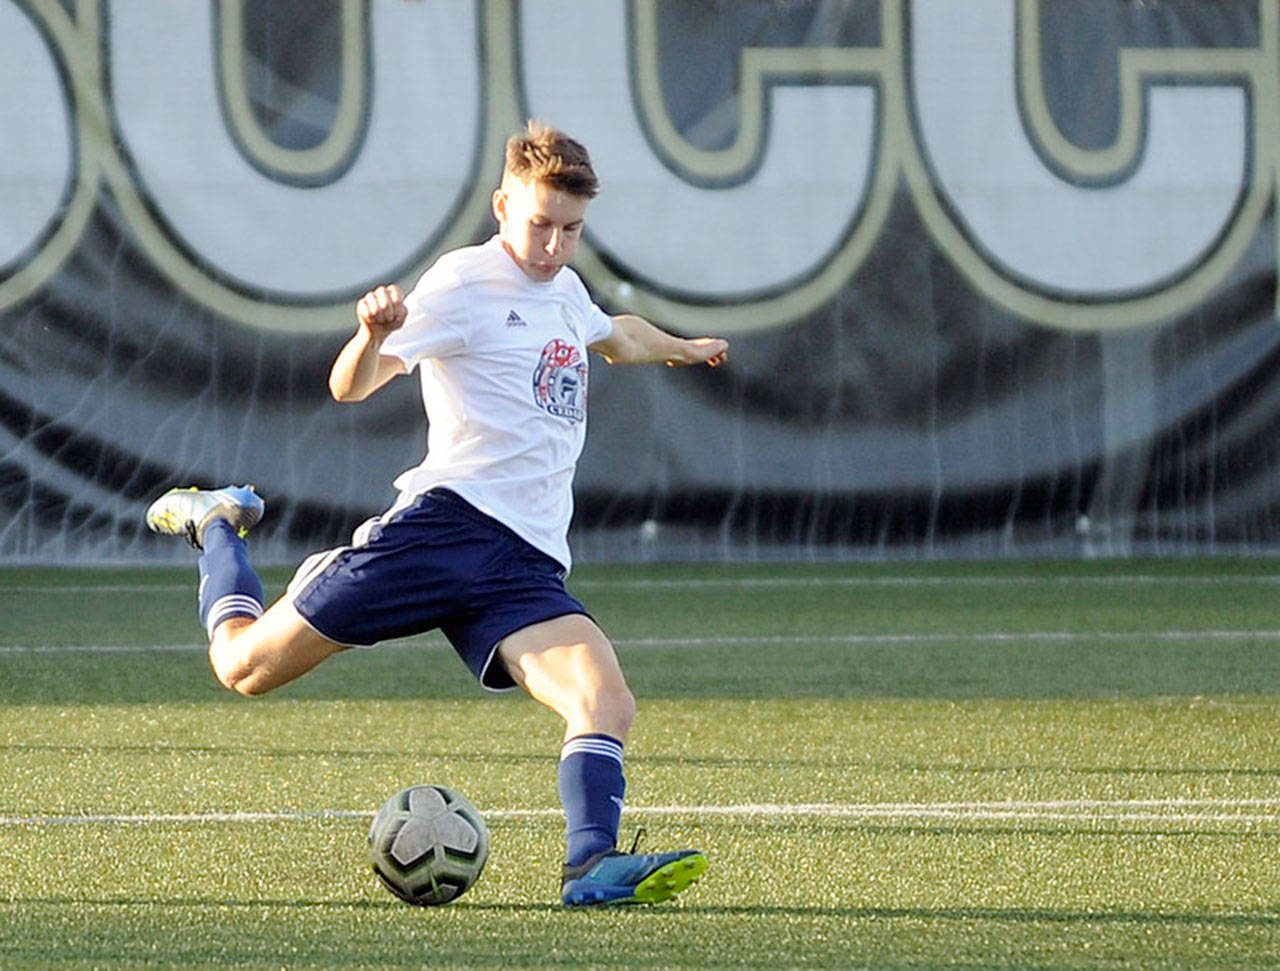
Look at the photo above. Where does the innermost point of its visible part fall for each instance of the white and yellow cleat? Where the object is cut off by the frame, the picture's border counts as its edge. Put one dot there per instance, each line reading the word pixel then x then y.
pixel 186 512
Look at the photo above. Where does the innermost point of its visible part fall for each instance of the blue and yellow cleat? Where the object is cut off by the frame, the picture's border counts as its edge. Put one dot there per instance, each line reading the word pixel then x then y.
pixel 186 512
pixel 630 878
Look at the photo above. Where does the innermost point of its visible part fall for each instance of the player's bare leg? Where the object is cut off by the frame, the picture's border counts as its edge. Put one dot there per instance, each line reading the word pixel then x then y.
pixel 569 665
pixel 251 651
pixel 252 657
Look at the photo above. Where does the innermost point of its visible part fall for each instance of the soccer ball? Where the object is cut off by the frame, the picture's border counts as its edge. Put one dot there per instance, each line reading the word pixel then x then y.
pixel 428 845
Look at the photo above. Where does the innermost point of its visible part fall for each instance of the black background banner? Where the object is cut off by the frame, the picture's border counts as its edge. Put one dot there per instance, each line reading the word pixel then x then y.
pixel 1066 347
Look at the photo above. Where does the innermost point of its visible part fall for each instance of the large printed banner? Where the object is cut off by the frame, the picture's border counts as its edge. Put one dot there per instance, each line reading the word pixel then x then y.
pixel 1000 275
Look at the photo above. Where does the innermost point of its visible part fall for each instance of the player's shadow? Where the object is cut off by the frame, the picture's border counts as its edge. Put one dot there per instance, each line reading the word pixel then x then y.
pixel 1006 915
pixel 995 915
pixel 206 902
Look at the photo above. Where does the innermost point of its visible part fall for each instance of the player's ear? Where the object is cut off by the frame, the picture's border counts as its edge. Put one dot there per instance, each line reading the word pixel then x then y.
pixel 499 205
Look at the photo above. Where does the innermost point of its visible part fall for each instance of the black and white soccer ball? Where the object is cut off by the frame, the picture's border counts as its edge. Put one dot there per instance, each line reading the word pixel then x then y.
pixel 428 845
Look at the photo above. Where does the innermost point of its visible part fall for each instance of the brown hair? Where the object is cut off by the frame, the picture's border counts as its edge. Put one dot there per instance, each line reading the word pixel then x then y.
pixel 544 154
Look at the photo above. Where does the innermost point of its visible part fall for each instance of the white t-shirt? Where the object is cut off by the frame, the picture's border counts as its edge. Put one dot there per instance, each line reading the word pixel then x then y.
pixel 503 366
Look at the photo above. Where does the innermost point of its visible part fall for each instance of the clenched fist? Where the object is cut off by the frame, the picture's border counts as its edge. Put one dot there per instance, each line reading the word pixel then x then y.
pixel 381 310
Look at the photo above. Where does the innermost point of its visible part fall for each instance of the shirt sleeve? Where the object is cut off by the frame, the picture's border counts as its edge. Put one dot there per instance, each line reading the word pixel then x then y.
pixel 599 325
pixel 437 324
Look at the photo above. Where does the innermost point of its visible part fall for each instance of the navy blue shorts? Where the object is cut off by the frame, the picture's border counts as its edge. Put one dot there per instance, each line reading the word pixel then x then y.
pixel 437 563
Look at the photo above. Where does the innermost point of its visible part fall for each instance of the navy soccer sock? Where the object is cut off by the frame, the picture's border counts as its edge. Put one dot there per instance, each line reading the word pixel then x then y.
pixel 591 791
pixel 228 585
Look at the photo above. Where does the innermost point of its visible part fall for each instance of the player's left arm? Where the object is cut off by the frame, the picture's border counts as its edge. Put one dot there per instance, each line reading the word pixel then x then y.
pixel 634 340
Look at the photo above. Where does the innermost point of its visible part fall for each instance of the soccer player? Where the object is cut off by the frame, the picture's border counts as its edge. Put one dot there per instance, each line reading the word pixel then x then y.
pixel 475 544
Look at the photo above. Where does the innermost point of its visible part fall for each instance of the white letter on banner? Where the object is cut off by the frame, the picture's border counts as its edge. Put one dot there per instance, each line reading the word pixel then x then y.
pixel 412 169
pixel 778 227
pixel 37 159
pixel 1085 241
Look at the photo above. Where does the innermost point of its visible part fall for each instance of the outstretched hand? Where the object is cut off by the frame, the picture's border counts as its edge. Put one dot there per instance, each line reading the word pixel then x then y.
pixel 711 351
pixel 382 310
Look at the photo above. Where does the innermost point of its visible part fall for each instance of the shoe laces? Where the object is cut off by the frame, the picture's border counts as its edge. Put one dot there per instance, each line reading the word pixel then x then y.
pixel 635 843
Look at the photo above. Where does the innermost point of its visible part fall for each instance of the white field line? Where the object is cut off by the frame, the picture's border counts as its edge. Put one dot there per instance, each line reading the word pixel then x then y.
pixel 746 640
pixel 939 638
pixel 1187 812
pixel 100 648
pixel 749 583
pixel 1134 579
pixel 80 589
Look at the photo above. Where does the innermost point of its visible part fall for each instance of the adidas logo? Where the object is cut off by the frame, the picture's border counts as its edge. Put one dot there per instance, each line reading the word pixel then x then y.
pixel 515 320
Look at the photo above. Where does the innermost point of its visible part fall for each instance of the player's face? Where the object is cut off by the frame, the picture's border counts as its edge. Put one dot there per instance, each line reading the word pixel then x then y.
pixel 539 225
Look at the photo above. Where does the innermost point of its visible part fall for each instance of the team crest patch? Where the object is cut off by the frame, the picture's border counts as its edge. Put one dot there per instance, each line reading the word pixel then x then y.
pixel 560 381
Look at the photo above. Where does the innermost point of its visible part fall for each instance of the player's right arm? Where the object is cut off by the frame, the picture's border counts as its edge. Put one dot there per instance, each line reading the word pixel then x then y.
pixel 361 368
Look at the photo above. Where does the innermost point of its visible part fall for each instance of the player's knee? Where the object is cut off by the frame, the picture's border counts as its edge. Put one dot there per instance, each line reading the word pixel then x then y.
pixel 625 705
pixel 234 678
pixel 235 670
pixel 611 709
pixel 247 685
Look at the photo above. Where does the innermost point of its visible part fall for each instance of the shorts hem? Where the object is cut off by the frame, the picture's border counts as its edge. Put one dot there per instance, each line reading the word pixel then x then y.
pixel 345 645
pixel 493 651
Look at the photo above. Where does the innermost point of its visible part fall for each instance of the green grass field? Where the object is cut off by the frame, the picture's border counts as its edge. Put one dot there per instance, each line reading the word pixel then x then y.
pixel 978 765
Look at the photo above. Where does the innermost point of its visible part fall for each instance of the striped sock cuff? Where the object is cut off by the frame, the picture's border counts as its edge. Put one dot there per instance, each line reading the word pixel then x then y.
pixel 602 745
pixel 232 605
